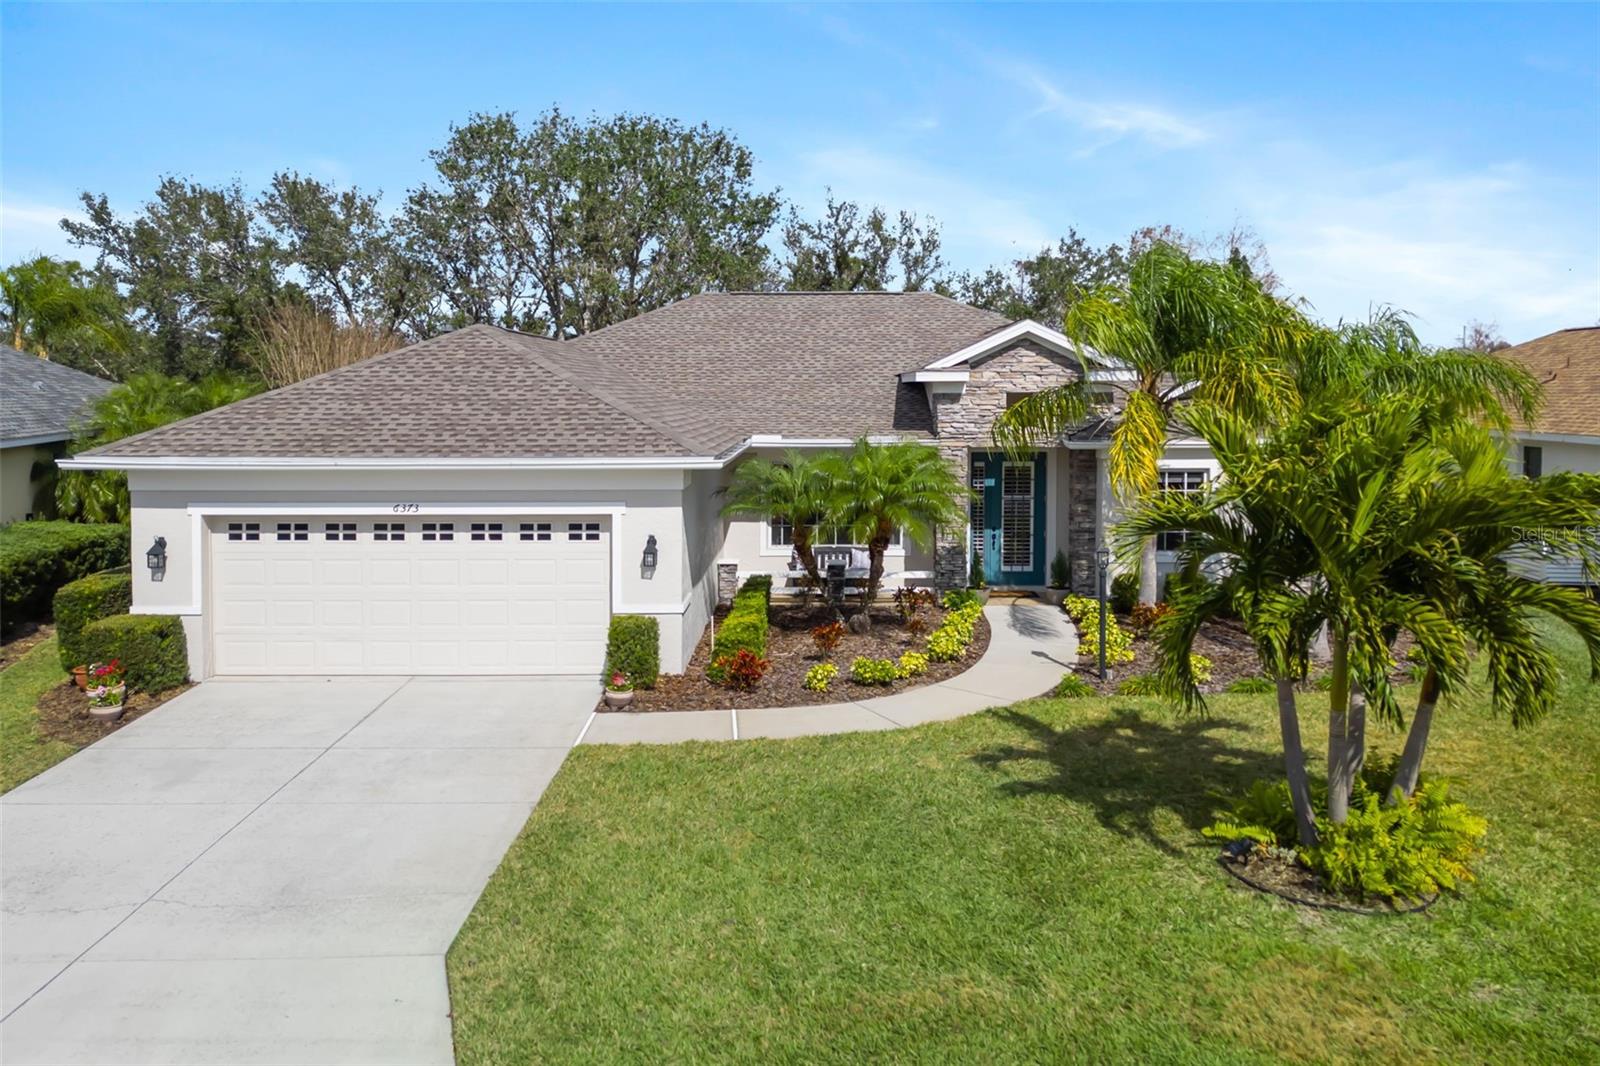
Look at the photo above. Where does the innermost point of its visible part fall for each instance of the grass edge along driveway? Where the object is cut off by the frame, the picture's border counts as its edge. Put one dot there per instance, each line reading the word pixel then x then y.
pixel 1027 884
pixel 23 753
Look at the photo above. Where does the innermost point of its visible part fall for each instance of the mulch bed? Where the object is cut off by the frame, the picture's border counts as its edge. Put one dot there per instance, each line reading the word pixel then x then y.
pixel 1225 643
pixel 1287 879
pixel 21 640
pixel 792 651
pixel 64 713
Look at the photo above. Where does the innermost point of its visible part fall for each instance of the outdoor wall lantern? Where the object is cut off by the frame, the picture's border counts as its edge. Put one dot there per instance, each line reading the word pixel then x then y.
pixel 156 557
pixel 650 555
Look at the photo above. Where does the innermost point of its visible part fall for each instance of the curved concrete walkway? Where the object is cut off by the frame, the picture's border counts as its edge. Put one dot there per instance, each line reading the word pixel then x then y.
pixel 1031 645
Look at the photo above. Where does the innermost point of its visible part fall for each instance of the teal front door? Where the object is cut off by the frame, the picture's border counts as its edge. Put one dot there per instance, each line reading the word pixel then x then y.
pixel 1008 518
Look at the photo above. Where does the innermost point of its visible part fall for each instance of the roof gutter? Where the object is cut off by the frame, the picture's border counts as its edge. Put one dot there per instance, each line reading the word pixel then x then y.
pixel 163 462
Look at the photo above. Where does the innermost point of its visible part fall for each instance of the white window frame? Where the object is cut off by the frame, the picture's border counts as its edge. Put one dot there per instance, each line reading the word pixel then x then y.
pixel 1185 472
pixel 774 545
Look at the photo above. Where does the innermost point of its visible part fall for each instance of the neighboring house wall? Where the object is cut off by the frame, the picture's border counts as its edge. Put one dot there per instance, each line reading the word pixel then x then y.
pixel 653 502
pixel 964 422
pixel 1558 455
pixel 16 484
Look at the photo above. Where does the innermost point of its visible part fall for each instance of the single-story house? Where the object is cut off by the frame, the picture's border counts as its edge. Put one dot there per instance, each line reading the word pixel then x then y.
pixel 482 502
pixel 1566 435
pixel 41 404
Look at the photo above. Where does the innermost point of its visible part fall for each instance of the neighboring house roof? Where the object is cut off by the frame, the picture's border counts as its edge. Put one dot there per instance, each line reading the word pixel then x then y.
pixel 694 379
pixel 41 401
pixel 1567 364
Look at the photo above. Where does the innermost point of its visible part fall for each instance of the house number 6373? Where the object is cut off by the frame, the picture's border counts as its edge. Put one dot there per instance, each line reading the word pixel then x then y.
pixel 407 508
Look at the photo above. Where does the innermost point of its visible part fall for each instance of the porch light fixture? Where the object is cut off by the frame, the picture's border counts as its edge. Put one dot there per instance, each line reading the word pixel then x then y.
pixel 650 554
pixel 1102 558
pixel 156 559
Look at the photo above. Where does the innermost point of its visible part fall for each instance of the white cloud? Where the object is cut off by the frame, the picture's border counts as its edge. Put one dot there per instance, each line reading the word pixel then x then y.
pixel 34 228
pixel 1108 120
pixel 1491 243
pixel 979 224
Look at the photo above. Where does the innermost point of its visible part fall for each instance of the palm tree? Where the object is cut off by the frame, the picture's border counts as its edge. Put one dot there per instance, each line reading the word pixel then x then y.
pixel 46 301
pixel 795 491
pixel 143 402
pixel 1369 521
pixel 878 488
pixel 1180 330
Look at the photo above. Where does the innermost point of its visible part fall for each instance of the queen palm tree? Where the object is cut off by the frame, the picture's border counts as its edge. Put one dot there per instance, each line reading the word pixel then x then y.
pixel 878 488
pixel 795 491
pixel 1180 330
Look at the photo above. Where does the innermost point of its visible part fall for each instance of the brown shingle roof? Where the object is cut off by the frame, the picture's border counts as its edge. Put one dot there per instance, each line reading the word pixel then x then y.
pixel 1567 364
pixel 693 378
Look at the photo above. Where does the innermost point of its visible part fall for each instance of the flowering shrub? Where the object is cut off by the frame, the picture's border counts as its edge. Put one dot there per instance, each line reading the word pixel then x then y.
pixel 949 642
pixel 827 637
pixel 106 687
pixel 866 671
pixel 912 664
pixel 819 677
pixel 1086 613
pixel 1145 616
pixel 742 670
pixel 619 682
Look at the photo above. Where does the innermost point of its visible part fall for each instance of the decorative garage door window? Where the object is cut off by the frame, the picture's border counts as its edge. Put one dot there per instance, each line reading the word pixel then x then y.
pixel 486 530
pixel 1016 517
pixel 438 531
pixel 388 531
pixel 292 530
pixel 583 530
pixel 534 531
pixel 338 531
pixel 244 530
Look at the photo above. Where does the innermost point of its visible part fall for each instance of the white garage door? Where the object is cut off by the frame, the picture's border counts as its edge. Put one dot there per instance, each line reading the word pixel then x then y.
pixel 457 595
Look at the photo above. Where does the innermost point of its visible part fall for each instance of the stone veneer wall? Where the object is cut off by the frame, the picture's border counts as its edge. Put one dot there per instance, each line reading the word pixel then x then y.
pixel 1083 477
pixel 963 423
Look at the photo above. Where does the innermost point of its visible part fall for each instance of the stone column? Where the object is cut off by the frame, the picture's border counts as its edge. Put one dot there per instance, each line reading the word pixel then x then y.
pixel 951 553
pixel 727 582
pixel 1083 481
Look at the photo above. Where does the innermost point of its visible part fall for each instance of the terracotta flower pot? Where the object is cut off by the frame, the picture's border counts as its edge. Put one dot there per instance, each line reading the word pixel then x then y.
pixel 618 700
pixel 80 676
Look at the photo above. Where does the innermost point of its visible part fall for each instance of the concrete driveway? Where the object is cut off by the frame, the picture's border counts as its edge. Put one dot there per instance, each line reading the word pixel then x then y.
pixel 267 871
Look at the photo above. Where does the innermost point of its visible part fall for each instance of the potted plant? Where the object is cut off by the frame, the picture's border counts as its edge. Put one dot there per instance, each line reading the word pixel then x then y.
pixel 1057 592
pixel 107 691
pixel 80 677
pixel 619 690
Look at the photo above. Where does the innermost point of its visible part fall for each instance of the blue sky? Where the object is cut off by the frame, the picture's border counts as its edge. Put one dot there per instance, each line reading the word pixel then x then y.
pixel 1442 158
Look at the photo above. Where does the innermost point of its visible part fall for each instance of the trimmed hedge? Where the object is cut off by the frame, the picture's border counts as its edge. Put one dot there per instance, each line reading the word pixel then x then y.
pixel 86 600
pixel 151 648
pixel 37 558
pixel 745 628
pixel 634 647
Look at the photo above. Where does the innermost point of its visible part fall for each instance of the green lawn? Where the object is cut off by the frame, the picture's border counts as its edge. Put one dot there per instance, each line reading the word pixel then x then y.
pixel 22 752
pixel 1025 885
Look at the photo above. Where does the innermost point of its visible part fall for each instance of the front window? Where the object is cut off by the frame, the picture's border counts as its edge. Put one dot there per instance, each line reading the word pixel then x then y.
pixel 780 534
pixel 1186 481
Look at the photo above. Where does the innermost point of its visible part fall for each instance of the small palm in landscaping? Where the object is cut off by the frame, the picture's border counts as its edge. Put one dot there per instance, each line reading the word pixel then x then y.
pixel 795 491
pixel 878 488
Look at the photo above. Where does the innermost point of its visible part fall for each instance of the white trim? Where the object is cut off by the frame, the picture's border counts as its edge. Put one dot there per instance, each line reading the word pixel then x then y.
pixel 28 442
pixel 1051 338
pixel 1557 438
pixel 925 377
pixel 777 440
pixel 422 509
pixel 146 462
